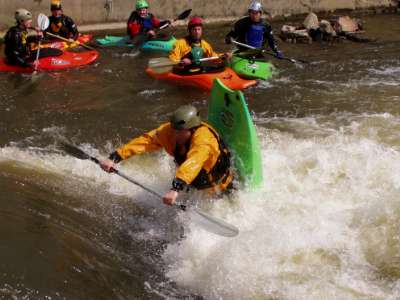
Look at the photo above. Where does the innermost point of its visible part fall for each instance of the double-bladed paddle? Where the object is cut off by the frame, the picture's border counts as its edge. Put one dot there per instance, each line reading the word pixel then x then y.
pixel 182 16
pixel 141 38
pixel 68 41
pixel 164 64
pixel 264 51
pixel 43 24
pixel 210 223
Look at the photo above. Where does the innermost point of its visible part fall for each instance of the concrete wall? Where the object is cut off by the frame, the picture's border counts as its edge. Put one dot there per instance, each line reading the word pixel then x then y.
pixel 95 11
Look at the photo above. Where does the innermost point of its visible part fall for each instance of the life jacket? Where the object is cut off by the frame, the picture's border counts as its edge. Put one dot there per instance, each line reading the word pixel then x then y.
pixel 196 53
pixel 147 23
pixel 62 26
pixel 218 174
pixel 16 44
pixel 255 35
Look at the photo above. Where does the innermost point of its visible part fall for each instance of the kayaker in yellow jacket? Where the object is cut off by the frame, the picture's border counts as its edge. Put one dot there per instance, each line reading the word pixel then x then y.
pixel 189 50
pixel 201 157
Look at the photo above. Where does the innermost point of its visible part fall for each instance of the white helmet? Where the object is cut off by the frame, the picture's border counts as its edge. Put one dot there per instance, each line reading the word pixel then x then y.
pixel 22 15
pixel 255 6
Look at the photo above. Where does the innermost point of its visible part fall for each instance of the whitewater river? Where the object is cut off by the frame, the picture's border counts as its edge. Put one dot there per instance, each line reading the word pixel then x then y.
pixel 325 224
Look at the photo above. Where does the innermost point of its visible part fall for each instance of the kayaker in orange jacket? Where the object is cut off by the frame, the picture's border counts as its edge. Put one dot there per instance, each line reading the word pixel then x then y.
pixel 202 158
pixel 189 50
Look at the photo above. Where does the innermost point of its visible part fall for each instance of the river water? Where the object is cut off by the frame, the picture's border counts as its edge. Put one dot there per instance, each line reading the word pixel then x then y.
pixel 325 224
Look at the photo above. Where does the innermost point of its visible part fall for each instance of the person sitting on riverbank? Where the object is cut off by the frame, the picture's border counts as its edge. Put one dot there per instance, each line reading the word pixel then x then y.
pixel 141 21
pixel 18 44
pixel 61 24
pixel 253 30
pixel 203 161
pixel 189 50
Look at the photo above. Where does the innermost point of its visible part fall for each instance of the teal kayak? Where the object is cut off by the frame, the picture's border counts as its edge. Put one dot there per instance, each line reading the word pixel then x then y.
pixel 229 115
pixel 162 45
pixel 251 68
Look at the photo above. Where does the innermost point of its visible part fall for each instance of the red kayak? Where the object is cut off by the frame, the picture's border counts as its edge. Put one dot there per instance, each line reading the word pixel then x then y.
pixel 67 60
pixel 204 81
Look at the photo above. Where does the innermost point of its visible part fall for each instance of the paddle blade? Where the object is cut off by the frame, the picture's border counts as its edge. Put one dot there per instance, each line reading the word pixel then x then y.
pixel 213 224
pixel 43 22
pixel 73 151
pixel 184 15
pixel 161 62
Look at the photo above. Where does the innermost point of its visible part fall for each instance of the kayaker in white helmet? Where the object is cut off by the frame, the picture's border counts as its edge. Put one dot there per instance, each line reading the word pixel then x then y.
pixel 253 30
pixel 17 43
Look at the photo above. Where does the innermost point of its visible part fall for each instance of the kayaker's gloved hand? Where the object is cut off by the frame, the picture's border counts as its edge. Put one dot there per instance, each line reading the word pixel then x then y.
pixel 228 40
pixel 151 33
pixel 107 165
pixel 170 197
pixel 279 54
pixel 226 56
pixel 185 62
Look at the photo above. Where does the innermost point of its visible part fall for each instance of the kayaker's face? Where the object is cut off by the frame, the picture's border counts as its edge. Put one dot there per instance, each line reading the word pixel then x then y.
pixel 26 24
pixel 182 136
pixel 196 32
pixel 255 15
pixel 56 12
pixel 143 12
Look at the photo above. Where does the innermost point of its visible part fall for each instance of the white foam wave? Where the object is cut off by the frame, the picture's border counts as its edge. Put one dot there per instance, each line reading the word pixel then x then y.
pixel 310 232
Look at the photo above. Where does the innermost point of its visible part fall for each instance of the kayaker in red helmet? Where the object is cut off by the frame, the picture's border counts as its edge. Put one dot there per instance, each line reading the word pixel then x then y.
pixel 253 30
pixel 189 50
pixel 61 24
pixel 142 21
pixel 202 159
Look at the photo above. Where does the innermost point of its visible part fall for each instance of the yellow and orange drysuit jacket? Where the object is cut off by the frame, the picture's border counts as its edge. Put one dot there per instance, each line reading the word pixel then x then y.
pixel 205 165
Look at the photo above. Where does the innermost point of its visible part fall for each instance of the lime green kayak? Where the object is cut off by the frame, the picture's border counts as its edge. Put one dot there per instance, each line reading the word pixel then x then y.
pixel 162 45
pixel 251 68
pixel 229 115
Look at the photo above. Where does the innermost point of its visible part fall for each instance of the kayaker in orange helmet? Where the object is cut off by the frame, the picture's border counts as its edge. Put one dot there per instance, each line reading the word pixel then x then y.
pixel 189 50
pixel 61 24
pixel 203 161
pixel 18 44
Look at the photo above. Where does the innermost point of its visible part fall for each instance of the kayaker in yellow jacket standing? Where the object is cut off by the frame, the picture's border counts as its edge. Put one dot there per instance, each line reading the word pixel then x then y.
pixel 201 157
pixel 189 50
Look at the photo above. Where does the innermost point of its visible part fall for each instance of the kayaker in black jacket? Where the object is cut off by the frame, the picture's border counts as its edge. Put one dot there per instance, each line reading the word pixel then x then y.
pixel 61 24
pixel 253 30
pixel 17 43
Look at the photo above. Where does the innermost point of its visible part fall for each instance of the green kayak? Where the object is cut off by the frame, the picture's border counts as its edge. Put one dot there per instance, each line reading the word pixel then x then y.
pixel 162 45
pixel 229 115
pixel 250 68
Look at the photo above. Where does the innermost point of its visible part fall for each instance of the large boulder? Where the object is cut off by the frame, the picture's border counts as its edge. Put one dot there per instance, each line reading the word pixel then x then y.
pixel 311 21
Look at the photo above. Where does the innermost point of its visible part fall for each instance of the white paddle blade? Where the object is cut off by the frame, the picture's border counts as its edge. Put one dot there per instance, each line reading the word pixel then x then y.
pixel 43 22
pixel 213 224
pixel 160 62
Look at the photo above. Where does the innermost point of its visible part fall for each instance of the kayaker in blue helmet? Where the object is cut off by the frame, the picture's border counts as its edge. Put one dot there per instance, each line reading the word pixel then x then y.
pixel 253 30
